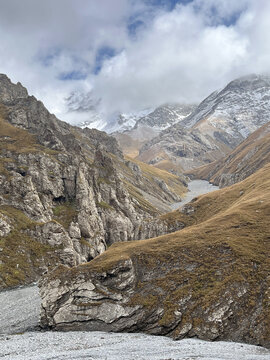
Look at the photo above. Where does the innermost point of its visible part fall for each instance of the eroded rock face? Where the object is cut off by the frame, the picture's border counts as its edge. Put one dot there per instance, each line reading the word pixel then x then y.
pixel 210 280
pixel 59 186
pixel 80 208
pixel 131 297
pixel 110 310
pixel 5 225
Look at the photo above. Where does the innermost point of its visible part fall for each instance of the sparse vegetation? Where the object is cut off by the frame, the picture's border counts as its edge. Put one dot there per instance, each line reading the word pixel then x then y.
pixel 104 205
pixel 251 155
pixel 21 257
pixel 18 140
pixel 224 249
pixel 65 213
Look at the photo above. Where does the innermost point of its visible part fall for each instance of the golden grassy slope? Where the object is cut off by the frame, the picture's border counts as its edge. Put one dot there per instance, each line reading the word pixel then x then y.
pixel 225 247
pixel 238 216
pixel 249 156
pixel 173 181
pixel 148 183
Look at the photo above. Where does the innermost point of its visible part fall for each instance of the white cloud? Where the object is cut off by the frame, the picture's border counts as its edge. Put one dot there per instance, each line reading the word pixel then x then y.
pixel 180 55
pixel 179 58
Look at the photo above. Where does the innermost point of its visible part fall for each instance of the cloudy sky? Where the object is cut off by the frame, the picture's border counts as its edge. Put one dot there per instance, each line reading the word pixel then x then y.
pixel 132 54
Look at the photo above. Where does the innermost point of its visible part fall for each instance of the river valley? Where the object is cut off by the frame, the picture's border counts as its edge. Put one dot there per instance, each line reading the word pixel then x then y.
pixel 21 338
pixel 196 188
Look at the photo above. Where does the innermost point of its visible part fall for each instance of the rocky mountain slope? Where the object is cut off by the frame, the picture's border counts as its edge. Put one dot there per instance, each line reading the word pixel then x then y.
pixel 238 109
pixel 166 115
pixel 251 155
pixel 182 148
pixel 221 122
pixel 149 126
pixel 209 280
pixel 67 193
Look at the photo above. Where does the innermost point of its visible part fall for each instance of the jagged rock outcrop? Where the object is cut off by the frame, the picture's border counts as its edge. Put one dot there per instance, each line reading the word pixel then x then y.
pixel 210 280
pixel 64 195
pixel 165 115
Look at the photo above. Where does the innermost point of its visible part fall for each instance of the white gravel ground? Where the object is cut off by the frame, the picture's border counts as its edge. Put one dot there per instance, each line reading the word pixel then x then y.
pixel 196 188
pixel 19 313
pixel 109 346
pixel 19 310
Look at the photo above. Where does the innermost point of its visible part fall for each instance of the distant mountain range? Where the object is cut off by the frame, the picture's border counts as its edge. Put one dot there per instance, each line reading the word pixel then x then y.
pixel 221 122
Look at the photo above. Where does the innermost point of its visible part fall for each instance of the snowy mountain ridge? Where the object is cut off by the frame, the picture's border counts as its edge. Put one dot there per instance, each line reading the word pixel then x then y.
pixel 238 109
pixel 87 112
pixel 221 121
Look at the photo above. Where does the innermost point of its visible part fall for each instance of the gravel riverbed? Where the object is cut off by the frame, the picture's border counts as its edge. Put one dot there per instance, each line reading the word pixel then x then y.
pixel 19 313
pixel 196 188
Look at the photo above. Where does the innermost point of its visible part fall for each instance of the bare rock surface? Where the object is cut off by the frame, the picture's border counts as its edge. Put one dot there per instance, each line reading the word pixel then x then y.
pixel 66 193
pixel 19 312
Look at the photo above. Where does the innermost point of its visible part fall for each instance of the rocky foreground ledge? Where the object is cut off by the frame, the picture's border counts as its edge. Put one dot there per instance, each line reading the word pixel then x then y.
pixel 210 280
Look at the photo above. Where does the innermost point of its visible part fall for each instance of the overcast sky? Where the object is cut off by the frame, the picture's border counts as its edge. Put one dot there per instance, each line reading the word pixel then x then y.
pixel 132 54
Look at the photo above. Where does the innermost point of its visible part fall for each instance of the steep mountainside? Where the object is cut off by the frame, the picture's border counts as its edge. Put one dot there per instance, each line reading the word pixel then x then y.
pixel 248 157
pixel 239 109
pixel 67 193
pixel 209 280
pixel 224 120
pixel 166 115
pixel 183 148
pixel 150 125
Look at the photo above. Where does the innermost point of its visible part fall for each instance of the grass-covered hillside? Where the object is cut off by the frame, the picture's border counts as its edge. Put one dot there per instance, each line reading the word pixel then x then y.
pixel 251 155
pixel 209 280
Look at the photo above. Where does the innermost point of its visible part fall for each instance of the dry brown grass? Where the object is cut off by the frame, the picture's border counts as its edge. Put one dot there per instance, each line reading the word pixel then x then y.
pixel 228 243
pixel 223 219
pixel 170 166
pixel 170 179
pixel 21 256
pixel 18 140
pixel 249 156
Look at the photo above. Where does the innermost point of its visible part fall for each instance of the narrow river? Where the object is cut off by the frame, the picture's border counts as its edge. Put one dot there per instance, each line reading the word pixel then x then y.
pixel 196 188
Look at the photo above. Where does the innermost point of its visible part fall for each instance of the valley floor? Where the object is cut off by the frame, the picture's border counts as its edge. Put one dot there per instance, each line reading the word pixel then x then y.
pixel 196 188
pixel 19 311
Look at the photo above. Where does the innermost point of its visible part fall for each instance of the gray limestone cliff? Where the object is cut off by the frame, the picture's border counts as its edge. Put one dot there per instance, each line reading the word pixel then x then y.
pixel 64 197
